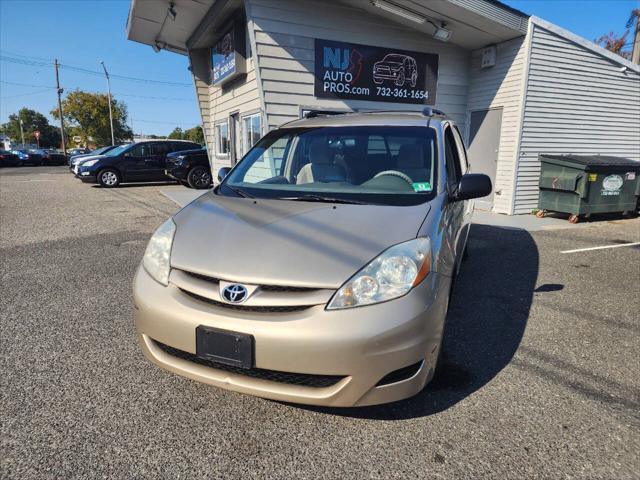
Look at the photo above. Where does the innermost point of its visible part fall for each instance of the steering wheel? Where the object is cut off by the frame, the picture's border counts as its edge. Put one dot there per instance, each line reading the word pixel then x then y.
pixel 395 173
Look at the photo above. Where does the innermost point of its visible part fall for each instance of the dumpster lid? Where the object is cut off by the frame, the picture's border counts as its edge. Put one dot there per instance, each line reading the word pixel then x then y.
pixel 594 160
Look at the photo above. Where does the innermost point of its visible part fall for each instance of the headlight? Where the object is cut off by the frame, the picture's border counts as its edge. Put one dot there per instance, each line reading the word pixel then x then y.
pixel 158 253
pixel 390 275
pixel 88 163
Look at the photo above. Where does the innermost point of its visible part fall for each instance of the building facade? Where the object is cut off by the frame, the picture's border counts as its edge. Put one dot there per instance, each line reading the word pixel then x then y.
pixel 518 86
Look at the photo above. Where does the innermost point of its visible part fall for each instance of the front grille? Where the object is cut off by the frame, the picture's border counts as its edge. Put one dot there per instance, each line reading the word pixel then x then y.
pixel 403 373
pixel 302 379
pixel 264 288
pixel 247 308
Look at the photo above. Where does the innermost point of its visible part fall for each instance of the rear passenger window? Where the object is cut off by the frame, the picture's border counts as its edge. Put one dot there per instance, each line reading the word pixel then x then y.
pixel 160 148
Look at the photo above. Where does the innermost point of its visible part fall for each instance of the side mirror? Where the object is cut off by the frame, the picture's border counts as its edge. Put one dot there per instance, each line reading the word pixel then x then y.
pixel 473 185
pixel 223 172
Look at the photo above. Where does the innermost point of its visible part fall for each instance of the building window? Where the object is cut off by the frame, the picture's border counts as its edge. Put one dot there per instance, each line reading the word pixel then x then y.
pixel 222 139
pixel 251 131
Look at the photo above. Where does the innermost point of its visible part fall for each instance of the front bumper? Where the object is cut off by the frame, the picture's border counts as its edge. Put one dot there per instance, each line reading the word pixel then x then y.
pixel 361 345
pixel 90 177
pixel 177 173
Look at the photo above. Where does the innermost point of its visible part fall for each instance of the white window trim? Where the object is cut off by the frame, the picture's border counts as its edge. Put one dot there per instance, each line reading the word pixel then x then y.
pixel 216 139
pixel 243 133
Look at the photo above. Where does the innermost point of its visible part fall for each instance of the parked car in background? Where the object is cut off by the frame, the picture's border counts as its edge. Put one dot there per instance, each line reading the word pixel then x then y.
pixel 50 157
pixel 78 151
pixel 190 167
pixel 8 159
pixel 28 158
pixel 97 151
pixel 136 162
pixel 320 269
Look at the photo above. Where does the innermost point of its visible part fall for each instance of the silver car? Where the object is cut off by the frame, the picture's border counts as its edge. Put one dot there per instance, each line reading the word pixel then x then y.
pixel 319 270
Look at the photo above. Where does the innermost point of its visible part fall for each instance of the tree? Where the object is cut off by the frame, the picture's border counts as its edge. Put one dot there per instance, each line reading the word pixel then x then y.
pixel 618 43
pixel 31 121
pixel 614 43
pixel 176 134
pixel 88 114
pixel 195 134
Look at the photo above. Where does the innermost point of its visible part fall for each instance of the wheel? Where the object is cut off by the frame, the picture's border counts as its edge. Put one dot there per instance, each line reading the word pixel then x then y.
pixel 109 178
pixel 541 213
pixel 199 177
pixel 400 79
pixel 414 79
pixel 377 81
pixel 574 219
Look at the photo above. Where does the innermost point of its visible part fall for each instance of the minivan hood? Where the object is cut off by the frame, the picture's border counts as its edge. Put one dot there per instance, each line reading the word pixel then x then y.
pixel 282 242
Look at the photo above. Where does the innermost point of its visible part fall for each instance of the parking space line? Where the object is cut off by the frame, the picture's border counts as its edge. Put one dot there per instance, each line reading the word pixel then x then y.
pixel 602 247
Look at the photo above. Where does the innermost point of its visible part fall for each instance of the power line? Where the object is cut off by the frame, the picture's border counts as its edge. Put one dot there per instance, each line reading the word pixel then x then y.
pixel 176 99
pixel 39 92
pixel 139 120
pixel 86 71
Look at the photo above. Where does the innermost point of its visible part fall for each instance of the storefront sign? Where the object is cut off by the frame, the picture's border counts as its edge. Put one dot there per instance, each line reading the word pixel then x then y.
pixel 227 57
pixel 360 72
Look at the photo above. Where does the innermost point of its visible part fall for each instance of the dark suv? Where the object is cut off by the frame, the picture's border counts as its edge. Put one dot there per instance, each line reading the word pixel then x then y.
pixel 135 162
pixel 191 168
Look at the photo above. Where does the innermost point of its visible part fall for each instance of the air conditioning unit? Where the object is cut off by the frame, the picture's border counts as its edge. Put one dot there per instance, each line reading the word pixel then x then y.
pixel 489 57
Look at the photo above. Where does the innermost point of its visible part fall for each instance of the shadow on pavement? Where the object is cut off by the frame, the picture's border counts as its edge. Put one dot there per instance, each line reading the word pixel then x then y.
pixel 142 184
pixel 486 322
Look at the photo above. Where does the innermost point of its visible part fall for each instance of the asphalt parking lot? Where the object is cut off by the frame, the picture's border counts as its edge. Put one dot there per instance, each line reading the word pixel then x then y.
pixel 541 376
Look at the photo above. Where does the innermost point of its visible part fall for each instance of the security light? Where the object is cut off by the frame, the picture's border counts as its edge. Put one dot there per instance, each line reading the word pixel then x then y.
pixel 156 47
pixel 172 11
pixel 396 10
pixel 442 33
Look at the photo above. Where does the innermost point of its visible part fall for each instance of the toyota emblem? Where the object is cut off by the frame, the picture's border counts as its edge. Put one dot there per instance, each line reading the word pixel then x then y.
pixel 235 293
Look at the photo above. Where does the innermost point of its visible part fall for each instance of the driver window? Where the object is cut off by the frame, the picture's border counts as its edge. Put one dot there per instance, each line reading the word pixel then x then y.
pixel 454 171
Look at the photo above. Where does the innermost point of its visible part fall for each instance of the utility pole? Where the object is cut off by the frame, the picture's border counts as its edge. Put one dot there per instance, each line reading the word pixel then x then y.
pixel 106 74
pixel 60 90
pixel 21 131
pixel 635 55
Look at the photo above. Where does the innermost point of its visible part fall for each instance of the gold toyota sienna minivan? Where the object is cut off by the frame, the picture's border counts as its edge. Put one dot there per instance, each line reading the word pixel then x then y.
pixel 319 270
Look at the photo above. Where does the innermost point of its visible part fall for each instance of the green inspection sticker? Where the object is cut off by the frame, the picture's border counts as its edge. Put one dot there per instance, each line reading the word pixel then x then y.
pixel 422 187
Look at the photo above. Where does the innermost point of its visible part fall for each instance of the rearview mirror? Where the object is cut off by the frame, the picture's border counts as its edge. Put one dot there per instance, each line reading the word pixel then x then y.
pixel 473 185
pixel 223 172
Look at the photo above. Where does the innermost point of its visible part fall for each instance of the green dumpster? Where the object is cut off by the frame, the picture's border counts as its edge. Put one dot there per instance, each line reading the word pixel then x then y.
pixel 586 184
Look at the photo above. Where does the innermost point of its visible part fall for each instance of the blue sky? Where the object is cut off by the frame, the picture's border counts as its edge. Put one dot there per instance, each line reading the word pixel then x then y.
pixel 80 33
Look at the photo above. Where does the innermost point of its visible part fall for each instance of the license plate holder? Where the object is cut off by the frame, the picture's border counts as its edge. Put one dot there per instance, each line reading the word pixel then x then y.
pixel 226 347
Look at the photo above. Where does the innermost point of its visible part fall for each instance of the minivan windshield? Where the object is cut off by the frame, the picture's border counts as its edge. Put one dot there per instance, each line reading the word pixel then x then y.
pixel 390 165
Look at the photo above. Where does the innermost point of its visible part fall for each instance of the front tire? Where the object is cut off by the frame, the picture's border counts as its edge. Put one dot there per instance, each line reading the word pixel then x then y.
pixel 108 178
pixel 199 177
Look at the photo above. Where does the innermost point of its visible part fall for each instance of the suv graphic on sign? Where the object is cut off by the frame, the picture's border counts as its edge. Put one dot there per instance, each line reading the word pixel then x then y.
pixel 399 68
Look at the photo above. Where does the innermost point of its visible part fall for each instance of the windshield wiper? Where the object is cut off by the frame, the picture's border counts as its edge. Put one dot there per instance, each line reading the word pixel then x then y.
pixel 239 192
pixel 321 198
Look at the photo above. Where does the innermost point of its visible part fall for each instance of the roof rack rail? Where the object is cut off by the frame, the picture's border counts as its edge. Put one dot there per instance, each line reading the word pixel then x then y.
pixel 317 113
pixel 430 112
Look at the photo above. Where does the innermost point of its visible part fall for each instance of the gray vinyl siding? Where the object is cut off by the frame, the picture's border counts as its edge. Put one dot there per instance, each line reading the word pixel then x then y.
pixel 501 86
pixel 284 35
pixel 577 101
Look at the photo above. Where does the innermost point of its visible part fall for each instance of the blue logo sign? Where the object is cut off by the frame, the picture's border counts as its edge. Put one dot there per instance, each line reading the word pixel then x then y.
pixel 224 58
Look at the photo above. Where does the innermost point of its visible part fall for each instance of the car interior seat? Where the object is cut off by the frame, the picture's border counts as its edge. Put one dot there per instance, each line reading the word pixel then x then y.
pixel 321 167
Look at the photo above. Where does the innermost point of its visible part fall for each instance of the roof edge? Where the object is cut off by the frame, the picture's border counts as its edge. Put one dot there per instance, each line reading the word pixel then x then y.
pixel 583 42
